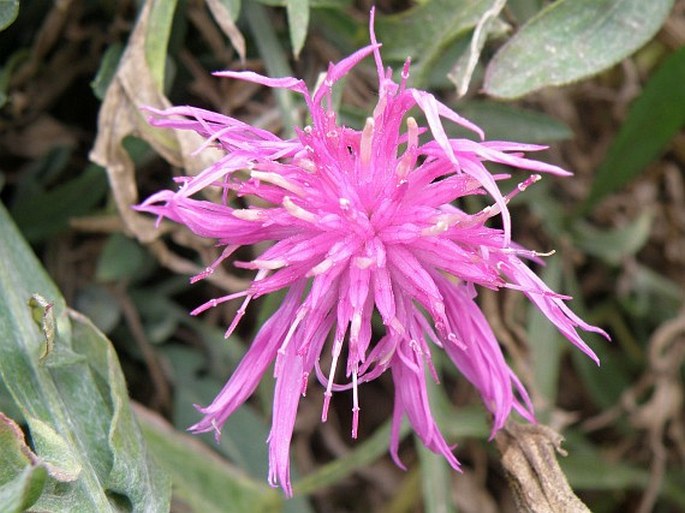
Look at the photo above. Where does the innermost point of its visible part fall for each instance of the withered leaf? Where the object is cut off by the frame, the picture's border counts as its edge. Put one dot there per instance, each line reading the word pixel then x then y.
pixel 537 481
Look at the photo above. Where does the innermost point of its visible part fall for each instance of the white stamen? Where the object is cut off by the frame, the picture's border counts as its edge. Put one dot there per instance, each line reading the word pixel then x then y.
pixel 366 142
pixel 452 337
pixel 269 264
pixel 355 404
pixel 216 428
pixel 530 253
pixel 355 326
pixel 298 319
pixel 308 165
pixel 321 267
pixel 249 214
pixel 276 179
pixel 409 158
pixel 297 211
pixel 337 347
pixel 364 262
pixel 441 226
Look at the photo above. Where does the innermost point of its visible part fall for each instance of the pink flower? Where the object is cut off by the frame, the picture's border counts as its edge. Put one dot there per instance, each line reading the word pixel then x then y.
pixel 363 222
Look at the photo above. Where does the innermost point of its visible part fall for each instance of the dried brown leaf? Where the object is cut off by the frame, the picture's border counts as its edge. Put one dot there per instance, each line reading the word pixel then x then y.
pixel 224 19
pixel 132 88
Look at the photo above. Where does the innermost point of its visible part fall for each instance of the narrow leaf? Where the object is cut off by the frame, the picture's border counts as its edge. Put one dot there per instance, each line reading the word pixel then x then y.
pixel 432 27
pixel 463 70
pixel 436 473
pixel 570 40
pixel 225 14
pixel 107 70
pixel 298 22
pixel 523 10
pixel 45 213
pixel 654 118
pixel 436 477
pixel 157 38
pixel 546 346
pixel 364 454
pixel 274 57
pixel 203 481
pixel 615 245
pixel 506 122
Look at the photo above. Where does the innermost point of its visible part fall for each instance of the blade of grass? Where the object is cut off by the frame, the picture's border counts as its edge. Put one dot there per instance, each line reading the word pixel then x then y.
pixel 363 455
pixel 275 60
pixel 157 38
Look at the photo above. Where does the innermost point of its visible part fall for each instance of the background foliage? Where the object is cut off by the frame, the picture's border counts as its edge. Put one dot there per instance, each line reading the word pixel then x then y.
pixel 100 362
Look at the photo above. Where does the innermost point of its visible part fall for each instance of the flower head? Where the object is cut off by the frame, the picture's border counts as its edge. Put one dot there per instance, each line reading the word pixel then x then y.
pixel 363 222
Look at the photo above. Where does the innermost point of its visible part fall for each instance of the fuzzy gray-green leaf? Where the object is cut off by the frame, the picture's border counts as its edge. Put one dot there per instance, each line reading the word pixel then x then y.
pixel 75 402
pixel 570 40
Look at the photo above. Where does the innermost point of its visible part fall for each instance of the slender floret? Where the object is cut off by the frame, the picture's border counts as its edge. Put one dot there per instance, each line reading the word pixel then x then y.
pixel 363 223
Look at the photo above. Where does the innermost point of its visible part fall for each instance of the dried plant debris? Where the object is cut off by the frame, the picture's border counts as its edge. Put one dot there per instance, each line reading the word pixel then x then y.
pixel 529 456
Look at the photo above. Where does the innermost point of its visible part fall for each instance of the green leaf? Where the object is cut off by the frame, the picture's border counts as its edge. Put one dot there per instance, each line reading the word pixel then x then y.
pixel 604 384
pixel 243 437
pixel 122 259
pixel 42 213
pixel 99 305
pixel 436 480
pixel 524 9
pixel 203 482
pixel 9 10
pixel 157 38
pixel 298 22
pixel 315 4
pixel 654 118
pixel 74 400
pixel 661 295
pixel 55 451
pixel 506 122
pixel 363 454
pixel 570 40
pixel 436 473
pixel 107 70
pixel 462 71
pixel 274 58
pixel 15 454
pixel 588 468
pixel 11 64
pixel 613 246
pixel 19 494
pixel 546 345
pixel 433 27
pixel 341 28
pixel 22 476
